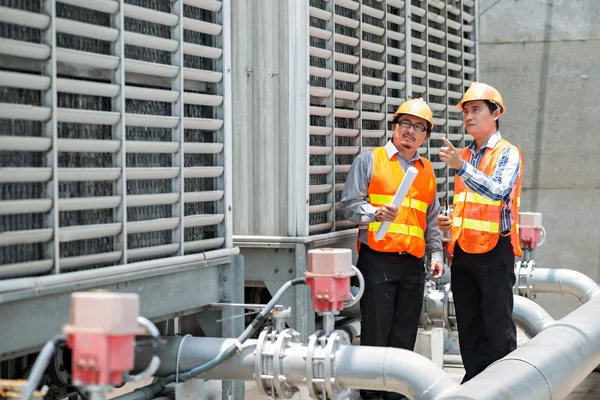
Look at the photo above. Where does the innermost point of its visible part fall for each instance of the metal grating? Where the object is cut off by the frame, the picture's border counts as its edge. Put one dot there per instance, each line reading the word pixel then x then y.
pixel 112 140
pixel 366 58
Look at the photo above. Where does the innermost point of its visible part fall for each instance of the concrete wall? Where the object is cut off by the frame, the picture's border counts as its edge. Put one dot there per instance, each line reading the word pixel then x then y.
pixel 544 57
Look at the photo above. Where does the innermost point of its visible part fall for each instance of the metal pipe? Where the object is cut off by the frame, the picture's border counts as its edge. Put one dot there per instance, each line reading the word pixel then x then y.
pixel 358 367
pixel 241 239
pixel 14 285
pixel 564 281
pixel 549 366
pixel 530 317
pixel 390 369
pixel 203 244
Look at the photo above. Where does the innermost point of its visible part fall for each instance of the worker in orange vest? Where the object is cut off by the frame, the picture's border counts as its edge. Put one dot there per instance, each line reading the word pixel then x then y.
pixel 393 267
pixel 484 228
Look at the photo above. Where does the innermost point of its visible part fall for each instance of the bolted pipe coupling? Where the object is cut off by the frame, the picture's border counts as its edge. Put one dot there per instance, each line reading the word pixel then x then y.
pixel 523 284
pixel 320 365
pixel 268 364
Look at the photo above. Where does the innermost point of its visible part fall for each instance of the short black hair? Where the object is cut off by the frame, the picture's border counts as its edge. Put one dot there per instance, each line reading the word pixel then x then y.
pixel 395 121
pixel 493 107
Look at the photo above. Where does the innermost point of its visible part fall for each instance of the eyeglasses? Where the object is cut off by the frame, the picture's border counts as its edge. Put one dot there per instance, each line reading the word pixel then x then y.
pixel 406 124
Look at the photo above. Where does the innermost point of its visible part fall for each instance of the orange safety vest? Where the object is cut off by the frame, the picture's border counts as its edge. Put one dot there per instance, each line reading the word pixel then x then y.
pixel 476 219
pixel 407 232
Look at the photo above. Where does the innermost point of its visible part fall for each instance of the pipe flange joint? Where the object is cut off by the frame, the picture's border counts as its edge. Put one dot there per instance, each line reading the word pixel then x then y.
pixel 518 265
pixel 425 321
pixel 523 285
pixel 313 355
pixel 532 266
pixel 268 365
pixel 320 365
pixel 449 313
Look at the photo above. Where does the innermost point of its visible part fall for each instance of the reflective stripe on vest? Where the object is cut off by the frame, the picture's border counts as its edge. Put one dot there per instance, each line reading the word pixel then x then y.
pixel 476 225
pixel 399 228
pixel 476 221
pixel 476 198
pixel 408 203
pixel 407 232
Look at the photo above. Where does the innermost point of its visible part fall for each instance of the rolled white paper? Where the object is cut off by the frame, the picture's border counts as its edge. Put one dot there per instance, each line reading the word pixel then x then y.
pixel 409 177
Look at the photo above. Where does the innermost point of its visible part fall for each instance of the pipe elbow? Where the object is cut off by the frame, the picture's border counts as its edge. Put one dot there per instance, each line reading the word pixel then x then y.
pixel 412 374
pixel 577 285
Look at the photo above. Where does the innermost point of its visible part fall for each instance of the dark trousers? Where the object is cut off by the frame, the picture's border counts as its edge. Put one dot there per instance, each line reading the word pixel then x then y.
pixel 392 302
pixel 483 299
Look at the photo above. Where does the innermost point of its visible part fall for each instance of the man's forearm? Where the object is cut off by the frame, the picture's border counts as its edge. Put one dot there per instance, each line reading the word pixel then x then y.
pixel 358 211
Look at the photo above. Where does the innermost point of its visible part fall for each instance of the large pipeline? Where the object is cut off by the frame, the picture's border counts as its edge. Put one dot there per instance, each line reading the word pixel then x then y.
pixel 564 281
pixel 357 367
pixel 529 316
pixel 549 366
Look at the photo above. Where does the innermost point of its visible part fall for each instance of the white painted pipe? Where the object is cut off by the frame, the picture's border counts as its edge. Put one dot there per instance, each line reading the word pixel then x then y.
pixel 549 366
pixel 14 285
pixel 564 281
pixel 392 370
pixel 240 240
pixel 409 177
pixel 530 317
pixel 357 367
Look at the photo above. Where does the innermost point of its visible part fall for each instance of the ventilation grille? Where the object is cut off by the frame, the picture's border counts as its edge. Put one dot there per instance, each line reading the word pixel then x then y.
pixel 111 139
pixel 366 58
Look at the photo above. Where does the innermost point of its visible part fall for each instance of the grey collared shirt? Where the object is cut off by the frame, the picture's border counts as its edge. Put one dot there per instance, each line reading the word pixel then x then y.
pixel 356 207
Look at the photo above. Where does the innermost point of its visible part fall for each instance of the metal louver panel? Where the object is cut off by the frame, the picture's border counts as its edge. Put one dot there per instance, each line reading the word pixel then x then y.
pixel 117 150
pixel 366 58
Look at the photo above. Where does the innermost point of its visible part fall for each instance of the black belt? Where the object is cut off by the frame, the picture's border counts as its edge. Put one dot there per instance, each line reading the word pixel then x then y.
pixel 391 253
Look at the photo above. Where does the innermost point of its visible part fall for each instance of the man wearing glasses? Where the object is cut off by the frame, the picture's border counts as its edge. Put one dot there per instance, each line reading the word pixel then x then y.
pixel 393 267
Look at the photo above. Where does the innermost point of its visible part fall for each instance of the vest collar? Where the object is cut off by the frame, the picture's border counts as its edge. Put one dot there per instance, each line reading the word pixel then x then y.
pixel 391 151
pixel 490 144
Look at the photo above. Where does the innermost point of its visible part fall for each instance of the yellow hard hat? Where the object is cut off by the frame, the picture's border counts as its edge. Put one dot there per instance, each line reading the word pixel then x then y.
pixel 481 91
pixel 416 107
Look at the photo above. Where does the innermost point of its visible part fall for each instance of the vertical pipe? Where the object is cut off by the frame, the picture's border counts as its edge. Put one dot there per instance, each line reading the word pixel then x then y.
pixel 242 45
pixel 360 67
pixel 178 133
pixel 360 76
pixel 119 130
pixel 293 114
pixel 385 72
pixel 476 11
pixel 425 22
pixel 330 140
pixel 408 44
pixel 226 115
pixel 50 130
pixel 462 75
pixel 264 109
pixel 444 12
pixel 298 150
